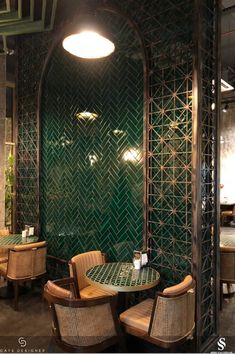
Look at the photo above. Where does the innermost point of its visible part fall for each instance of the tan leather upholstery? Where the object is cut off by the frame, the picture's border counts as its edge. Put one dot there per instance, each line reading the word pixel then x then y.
pixel 3 260
pixel 58 291
pixel 92 291
pixel 29 246
pixel 138 316
pixel 4 232
pixel 82 263
pixel 179 288
pixel 3 268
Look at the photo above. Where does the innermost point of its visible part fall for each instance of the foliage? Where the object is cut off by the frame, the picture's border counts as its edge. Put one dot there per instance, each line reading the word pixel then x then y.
pixel 9 180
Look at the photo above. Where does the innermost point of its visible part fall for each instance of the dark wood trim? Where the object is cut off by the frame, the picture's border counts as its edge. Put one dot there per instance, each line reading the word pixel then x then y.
pixel 153 312
pixel 75 276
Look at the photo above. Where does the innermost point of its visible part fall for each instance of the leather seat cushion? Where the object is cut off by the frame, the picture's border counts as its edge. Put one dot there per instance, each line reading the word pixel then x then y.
pixel 138 316
pixel 91 291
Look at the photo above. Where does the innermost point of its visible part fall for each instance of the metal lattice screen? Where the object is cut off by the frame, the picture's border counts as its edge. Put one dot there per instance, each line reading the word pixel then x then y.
pixel 207 238
pixel 30 64
pixel 170 142
pixel 92 169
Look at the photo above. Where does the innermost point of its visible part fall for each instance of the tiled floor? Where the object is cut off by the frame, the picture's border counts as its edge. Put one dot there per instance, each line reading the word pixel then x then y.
pixel 33 325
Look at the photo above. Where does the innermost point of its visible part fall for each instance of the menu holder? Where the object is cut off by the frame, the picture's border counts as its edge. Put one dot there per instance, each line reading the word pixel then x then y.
pixel 140 259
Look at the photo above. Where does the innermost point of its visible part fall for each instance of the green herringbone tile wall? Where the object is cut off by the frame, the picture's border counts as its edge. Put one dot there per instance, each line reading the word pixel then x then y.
pixel 91 197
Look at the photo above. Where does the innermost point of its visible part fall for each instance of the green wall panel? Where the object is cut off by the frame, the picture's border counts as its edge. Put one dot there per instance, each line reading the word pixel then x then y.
pixel 92 198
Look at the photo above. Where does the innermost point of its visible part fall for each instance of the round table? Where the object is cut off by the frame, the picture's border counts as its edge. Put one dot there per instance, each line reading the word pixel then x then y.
pixel 122 277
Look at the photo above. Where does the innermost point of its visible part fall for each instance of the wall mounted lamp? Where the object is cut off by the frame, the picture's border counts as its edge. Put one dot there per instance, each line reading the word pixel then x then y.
pixel 89 41
pixel 226 107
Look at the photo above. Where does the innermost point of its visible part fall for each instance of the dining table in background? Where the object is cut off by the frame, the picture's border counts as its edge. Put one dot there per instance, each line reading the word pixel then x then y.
pixel 12 240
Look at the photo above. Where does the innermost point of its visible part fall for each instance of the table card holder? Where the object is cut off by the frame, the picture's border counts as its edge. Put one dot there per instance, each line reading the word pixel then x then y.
pixel 140 259
pixel 144 258
pixel 137 260
pixel 31 231
pixel 24 233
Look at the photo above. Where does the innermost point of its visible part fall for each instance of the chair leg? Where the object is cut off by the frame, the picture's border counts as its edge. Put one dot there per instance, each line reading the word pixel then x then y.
pixel 16 296
pixel 122 344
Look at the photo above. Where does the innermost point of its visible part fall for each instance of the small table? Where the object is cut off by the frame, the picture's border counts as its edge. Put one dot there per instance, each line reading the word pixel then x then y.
pixel 122 277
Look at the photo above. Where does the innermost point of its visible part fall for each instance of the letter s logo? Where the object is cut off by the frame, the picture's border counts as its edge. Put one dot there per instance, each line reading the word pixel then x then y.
pixel 22 342
pixel 221 344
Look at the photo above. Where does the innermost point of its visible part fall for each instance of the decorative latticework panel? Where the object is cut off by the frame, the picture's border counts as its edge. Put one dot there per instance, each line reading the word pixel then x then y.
pixel 30 64
pixel 170 141
pixel 92 169
pixel 205 165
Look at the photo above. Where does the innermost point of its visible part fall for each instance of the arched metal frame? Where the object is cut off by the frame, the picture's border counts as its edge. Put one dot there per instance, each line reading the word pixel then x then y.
pixel 57 39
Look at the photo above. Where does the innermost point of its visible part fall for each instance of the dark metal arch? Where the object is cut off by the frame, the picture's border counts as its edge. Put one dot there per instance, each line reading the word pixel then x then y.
pixel 66 27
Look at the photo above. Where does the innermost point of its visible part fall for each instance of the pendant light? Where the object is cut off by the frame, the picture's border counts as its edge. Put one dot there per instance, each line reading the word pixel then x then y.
pixel 89 41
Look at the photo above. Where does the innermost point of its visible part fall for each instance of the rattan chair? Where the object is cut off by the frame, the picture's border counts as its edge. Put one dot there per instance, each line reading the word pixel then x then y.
pixel 82 325
pixel 227 268
pixel 78 266
pixel 168 320
pixel 25 263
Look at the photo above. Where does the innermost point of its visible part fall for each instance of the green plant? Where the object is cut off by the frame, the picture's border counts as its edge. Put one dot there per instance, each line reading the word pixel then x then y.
pixel 9 181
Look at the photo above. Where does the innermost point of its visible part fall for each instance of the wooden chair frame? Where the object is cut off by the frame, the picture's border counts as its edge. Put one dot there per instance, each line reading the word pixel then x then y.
pixel 75 303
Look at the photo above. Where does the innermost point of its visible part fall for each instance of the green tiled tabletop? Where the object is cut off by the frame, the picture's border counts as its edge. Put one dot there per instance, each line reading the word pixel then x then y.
pixel 122 277
pixel 16 239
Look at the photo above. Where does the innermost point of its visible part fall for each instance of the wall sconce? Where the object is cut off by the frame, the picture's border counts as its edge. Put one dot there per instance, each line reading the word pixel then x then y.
pixel 226 107
pixel 132 155
pixel 89 41
pixel 86 115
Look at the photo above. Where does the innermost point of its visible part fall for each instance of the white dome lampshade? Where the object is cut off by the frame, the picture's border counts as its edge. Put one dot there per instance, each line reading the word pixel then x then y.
pixel 88 44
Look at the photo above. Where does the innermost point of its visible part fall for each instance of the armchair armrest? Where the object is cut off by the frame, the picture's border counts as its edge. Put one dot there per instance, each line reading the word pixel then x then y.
pixel 67 283
pixel 3 260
